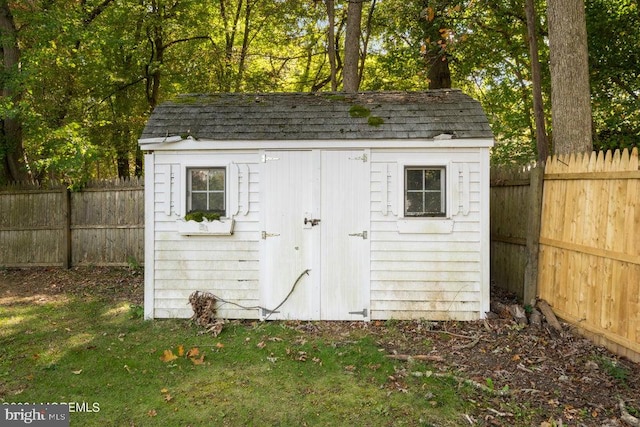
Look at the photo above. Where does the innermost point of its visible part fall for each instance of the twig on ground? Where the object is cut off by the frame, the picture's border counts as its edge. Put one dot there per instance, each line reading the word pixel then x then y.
pixel 407 357
pixel 627 417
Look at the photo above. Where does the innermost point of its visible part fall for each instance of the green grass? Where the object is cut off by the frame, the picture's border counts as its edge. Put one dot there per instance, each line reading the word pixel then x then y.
pixel 92 351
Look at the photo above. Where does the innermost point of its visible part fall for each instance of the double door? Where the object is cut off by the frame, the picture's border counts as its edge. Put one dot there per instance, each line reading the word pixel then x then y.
pixel 315 234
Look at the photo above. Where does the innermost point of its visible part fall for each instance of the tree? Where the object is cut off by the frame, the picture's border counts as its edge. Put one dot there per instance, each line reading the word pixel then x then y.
pixel 351 76
pixel 542 142
pixel 569 68
pixel 12 167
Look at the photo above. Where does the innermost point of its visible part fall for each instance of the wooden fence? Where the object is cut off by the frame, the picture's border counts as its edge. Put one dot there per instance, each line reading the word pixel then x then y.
pixel 101 225
pixel 583 235
pixel 589 268
pixel 515 198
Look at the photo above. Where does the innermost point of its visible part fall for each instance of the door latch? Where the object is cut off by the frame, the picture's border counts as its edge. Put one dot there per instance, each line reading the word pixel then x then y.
pixel 363 235
pixel 314 221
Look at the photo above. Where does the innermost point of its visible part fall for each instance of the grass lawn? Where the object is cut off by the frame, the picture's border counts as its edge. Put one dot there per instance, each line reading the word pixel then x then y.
pixel 120 370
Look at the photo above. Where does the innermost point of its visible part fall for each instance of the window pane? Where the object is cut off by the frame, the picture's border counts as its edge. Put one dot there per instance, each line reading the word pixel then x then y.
pixel 199 201
pixel 216 180
pixel 199 179
pixel 432 179
pixel 414 179
pixel 216 201
pixel 413 203
pixel 433 203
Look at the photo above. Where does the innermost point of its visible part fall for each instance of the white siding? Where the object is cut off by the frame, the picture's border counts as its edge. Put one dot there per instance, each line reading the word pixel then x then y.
pixel 431 268
pixel 434 272
pixel 226 266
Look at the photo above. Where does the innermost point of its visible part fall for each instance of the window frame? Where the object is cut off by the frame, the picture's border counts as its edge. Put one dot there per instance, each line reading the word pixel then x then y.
pixel 430 162
pixel 442 191
pixel 188 200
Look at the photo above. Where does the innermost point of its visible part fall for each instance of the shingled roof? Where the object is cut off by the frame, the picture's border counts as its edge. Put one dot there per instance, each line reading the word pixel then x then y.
pixel 305 116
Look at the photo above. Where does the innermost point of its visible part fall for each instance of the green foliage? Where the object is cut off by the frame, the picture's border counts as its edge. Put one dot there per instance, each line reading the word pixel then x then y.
pixel 89 75
pixel 199 216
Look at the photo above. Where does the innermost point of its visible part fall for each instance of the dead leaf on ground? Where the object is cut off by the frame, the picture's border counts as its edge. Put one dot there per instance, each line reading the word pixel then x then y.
pixel 168 356
pixel 198 361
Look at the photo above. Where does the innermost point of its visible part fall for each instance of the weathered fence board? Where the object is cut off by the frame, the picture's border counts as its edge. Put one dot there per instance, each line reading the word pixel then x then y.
pixel 101 225
pixel 515 215
pixel 590 246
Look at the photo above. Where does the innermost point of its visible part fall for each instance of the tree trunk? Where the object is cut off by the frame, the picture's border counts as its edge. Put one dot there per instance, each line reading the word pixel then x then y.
pixel 331 43
pixel 11 149
pixel 542 142
pixel 569 67
pixel 439 74
pixel 350 74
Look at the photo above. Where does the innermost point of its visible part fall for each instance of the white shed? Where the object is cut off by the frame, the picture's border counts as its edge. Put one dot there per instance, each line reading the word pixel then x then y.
pixel 332 206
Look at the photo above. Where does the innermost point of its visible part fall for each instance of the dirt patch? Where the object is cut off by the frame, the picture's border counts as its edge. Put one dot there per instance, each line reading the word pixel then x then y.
pixel 41 285
pixel 519 372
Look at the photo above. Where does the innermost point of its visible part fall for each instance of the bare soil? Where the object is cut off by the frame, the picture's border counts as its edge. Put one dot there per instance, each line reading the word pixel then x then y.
pixel 545 377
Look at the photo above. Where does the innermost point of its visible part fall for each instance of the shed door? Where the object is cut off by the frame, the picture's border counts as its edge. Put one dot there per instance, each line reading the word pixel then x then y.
pixel 330 190
pixel 345 235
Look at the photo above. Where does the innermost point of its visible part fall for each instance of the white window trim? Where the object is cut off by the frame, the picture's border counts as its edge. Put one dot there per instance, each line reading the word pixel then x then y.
pixel 184 184
pixel 425 163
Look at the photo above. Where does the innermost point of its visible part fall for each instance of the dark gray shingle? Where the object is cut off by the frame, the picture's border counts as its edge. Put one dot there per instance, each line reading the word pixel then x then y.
pixel 298 116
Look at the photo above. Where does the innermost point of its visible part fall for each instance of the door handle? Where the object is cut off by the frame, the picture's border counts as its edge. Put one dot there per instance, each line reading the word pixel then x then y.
pixel 314 221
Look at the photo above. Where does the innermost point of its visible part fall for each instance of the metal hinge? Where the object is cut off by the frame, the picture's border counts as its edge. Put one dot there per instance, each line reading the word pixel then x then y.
pixel 266 158
pixel 266 312
pixel 363 313
pixel 264 235
pixel 364 235
pixel 363 158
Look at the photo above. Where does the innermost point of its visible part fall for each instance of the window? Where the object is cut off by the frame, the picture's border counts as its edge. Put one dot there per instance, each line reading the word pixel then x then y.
pixel 424 191
pixel 206 190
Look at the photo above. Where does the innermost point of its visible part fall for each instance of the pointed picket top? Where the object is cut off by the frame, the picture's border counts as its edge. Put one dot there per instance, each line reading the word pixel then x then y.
pixel 633 159
pixel 595 161
pixel 624 160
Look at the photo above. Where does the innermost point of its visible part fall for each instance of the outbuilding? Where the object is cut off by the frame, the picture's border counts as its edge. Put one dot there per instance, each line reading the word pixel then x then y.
pixel 324 206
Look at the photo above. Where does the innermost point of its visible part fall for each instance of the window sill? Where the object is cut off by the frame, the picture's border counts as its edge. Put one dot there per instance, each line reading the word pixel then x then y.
pixel 222 227
pixel 425 225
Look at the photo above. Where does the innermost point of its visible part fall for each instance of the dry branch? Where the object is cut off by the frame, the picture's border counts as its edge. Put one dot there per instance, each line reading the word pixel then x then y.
pixel 204 312
pixel 408 357
pixel 551 318
pixel 627 417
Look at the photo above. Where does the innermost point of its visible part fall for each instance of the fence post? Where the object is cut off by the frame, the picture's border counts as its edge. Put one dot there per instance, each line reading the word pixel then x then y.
pixel 66 228
pixel 530 290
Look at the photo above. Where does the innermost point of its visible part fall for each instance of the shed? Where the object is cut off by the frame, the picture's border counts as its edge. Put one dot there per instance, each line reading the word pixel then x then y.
pixel 332 206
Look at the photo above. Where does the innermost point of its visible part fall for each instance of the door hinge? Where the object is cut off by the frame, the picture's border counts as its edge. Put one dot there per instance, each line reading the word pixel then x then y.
pixel 266 158
pixel 363 158
pixel 266 312
pixel 364 235
pixel 264 235
pixel 363 313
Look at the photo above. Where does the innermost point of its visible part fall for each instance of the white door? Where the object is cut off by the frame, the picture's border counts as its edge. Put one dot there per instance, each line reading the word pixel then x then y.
pixel 345 240
pixel 315 238
pixel 287 244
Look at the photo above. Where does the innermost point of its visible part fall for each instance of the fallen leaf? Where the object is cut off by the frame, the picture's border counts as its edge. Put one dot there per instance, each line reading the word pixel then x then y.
pixel 168 398
pixel 164 390
pixel 220 345
pixel 78 372
pixel 193 352
pixel 168 356
pixel 198 361
pixel 152 413
pixel 180 350
pixel 261 344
